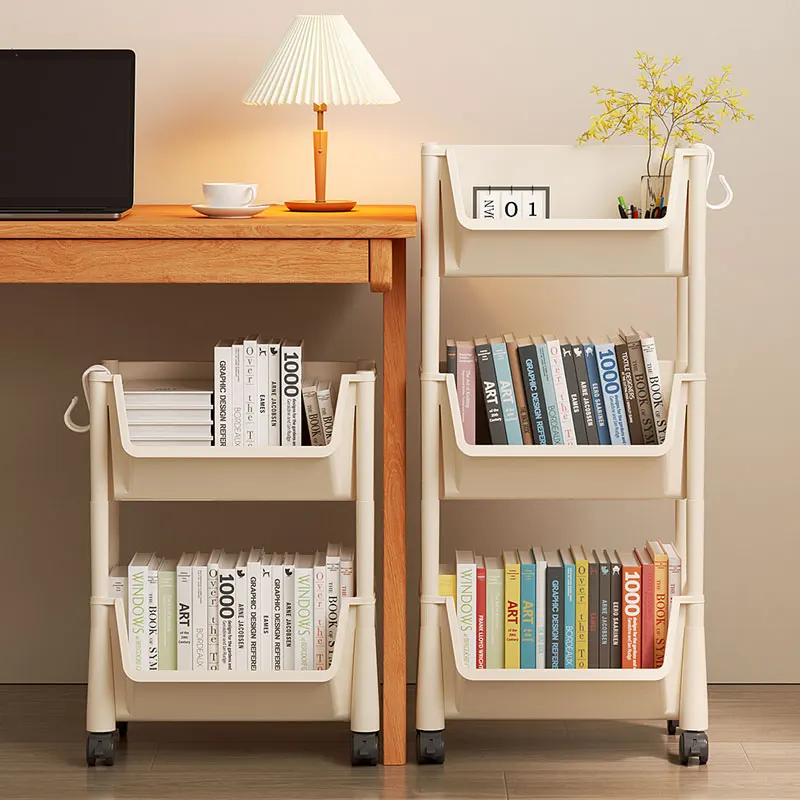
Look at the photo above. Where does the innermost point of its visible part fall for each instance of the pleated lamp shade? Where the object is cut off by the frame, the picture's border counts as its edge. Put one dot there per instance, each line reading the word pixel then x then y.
pixel 321 60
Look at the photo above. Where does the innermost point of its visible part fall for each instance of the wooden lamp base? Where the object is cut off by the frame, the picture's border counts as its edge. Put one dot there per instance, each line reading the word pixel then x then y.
pixel 320 205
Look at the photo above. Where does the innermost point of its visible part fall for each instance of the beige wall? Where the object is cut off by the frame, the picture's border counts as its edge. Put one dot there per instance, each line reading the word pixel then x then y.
pixel 514 72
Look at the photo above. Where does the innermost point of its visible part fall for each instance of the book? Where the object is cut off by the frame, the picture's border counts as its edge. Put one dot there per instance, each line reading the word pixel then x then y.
pixel 227 611
pixel 480 613
pixel 262 388
pixel 325 400
pixel 447 581
pixel 175 432
pixel 541 606
pixel 594 611
pixel 675 576
pixel 200 612
pixel 519 388
pixel 347 571
pixel 266 657
pixel 573 393
pixel 152 613
pixel 505 388
pixel 213 609
pixel 596 389
pixel 549 391
pixel 160 394
pixel 568 609
pixel 172 416
pixel 491 396
pixel 604 610
pixel 291 400
pixel 495 613
pixel 465 388
pixel 288 610
pixel 332 564
pixel 304 612
pixel 660 598
pixel 223 357
pixel 465 606
pixel 585 393
pixel 653 370
pixel 534 398
pixel 240 621
pixel 320 612
pixel 648 615
pixel 561 391
pixel 274 392
pixel 138 615
pixel 628 390
pixel 641 387
pixel 167 615
pixel 312 412
pixel 527 601
pixel 450 352
pixel 183 579
pixel 118 588
pixel 616 418
pixel 237 393
pixel 253 611
pixel 555 616
pixel 511 568
pixel 631 610
pixel 276 599
pixel 581 607
pixel 615 655
pixel 250 389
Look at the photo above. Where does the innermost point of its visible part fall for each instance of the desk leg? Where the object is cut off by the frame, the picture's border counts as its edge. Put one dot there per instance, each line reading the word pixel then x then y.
pixel 394 511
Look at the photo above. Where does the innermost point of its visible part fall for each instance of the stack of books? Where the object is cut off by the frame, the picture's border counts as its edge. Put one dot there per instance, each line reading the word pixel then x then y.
pixel 246 612
pixel 541 390
pixel 564 609
pixel 169 412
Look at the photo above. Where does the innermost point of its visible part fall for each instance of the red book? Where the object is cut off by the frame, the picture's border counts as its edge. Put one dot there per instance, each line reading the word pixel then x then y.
pixel 648 609
pixel 480 613
pixel 631 610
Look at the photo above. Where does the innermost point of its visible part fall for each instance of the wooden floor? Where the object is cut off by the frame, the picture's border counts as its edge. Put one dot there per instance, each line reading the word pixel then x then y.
pixel 754 753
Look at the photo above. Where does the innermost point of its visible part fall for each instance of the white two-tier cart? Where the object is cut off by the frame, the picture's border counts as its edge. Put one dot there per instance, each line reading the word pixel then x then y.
pixel 122 470
pixel 580 239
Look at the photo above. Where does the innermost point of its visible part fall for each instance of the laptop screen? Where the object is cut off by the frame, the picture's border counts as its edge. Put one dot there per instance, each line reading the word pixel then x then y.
pixel 66 130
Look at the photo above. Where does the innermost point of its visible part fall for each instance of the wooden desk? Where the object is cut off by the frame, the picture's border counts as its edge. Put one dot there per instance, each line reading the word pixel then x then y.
pixel 174 244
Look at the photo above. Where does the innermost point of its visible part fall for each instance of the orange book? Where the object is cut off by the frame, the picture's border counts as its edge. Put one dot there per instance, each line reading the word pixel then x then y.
pixel 647 624
pixel 631 611
pixel 661 592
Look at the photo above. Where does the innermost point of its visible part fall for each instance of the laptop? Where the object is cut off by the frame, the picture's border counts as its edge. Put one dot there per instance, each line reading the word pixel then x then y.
pixel 66 133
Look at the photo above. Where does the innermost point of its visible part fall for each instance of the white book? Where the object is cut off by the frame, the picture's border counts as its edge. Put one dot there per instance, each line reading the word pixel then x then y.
pixel 675 576
pixel 212 616
pixel 250 391
pixel 541 605
pixel 253 612
pixel 170 416
pixel 174 431
pixel 227 611
pixel 274 393
pixel 320 612
pixel 277 612
pixel 562 393
pixel 332 565
pixel 240 631
pixel 118 587
pixel 347 571
pixel 167 614
pixel 184 597
pixel 325 402
pixel 200 612
pixel 304 612
pixel 237 393
pixel 152 613
pixel 291 392
pixel 223 358
pixel 167 393
pixel 262 392
pixel 266 644
pixel 313 418
pixel 653 370
pixel 466 606
pixel 288 610
pixel 137 603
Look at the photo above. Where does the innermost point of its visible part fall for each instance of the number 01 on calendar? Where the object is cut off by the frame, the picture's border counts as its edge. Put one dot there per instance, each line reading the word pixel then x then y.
pixel 511 203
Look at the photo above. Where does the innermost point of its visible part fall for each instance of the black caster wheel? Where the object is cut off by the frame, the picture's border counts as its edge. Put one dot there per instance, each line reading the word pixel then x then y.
pixel 672 726
pixel 430 747
pixel 101 748
pixel 363 749
pixel 693 744
pixel 122 727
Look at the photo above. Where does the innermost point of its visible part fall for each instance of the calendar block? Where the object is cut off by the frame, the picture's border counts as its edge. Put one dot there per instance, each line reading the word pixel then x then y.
pixel 511 204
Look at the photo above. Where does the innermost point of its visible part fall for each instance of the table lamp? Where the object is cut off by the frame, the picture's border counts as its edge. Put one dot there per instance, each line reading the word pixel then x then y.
pixel 321 61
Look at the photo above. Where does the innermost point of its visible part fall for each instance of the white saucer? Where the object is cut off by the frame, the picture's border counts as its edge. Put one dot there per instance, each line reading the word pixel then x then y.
pixel 230 212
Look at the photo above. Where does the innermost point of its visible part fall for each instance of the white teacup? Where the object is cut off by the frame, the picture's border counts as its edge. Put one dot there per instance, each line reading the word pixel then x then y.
pixel 230 195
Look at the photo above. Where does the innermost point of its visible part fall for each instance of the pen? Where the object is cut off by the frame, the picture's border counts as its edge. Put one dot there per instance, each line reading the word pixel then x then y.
pixel 623 209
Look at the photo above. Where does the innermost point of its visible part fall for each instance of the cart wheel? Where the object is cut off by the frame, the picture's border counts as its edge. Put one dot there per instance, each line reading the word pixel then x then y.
pixel 693 744
pixel 672 727
pixel 363 749
pixel 122 727
pixel 101 749
pixel 430 747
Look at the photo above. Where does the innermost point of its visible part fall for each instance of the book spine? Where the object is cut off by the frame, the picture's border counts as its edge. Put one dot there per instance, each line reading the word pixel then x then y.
pixel 240 657
pixel 674 582
pixel 537 412
pixel 288 616
pixel 541 614
pixel 604 620
pixel 569 616
pixel 574 394
pixel 118 588
pixel 465 388
pixel 250 400
pixel 184 594
pixel 262 388
pixel 222 387
pixel 266 658
pixel 313 416
pixel 661 599
pixel 612 394
pixel 274 394
pixel 656 390
pixel 152 619
pixel 581 614
pixel 629 394
pixel 527 627
pixel 596 389
pixel 465 605
pixel 137 622
pixel 254 616
pixel 334 594
pixel 167 620
pixel 511 628
pixel 549 392
pixel 480 617
pixel 495 611
pixel 277 617
pixel 227 619
pixel 212 617
pixel 505 388
pixel 451 358
pixel 519 392
pixel 491 396
pixel 594 615
pixel 347 577
pixel 615 655
pixel 631 617
pixel 642 391
pixel 562 393
pixel 304 618
pixel 320 621
pixel 585 392
pixel 326 412
pixel 200 618
pixel 555 617
pixel 237 395
pixel 648 617
pixel 291 382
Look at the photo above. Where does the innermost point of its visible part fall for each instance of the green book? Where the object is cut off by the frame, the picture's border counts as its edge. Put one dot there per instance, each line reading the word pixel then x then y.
pixel 495 613
pixel 167 615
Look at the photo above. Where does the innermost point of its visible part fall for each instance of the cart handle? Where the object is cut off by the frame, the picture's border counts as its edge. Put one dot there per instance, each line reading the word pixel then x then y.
pixel 73 426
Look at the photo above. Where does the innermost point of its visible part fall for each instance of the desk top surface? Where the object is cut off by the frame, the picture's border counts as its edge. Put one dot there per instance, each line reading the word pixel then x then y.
pixel 182 222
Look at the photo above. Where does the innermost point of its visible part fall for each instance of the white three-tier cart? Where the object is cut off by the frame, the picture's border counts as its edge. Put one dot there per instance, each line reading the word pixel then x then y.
pixel 124 471
pixel 580 239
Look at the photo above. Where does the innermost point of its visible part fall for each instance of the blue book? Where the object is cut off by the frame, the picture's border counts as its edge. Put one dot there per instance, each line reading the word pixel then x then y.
pixel 612 393
pixel 597 394
pixel 554 651
pixel 569 608
pixel 549 391
pixel 527 603
pixel 505 387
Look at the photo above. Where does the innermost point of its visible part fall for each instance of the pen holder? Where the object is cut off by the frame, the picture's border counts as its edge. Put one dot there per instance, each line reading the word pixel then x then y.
pixel 653 188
